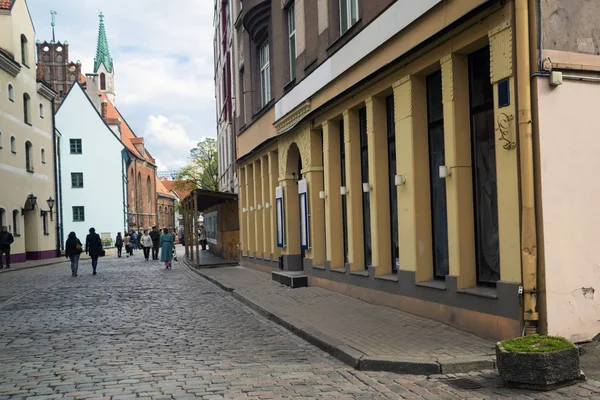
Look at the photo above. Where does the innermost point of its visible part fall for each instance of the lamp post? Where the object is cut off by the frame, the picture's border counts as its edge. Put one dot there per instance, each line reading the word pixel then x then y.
pixel 30 204
pixel 51 203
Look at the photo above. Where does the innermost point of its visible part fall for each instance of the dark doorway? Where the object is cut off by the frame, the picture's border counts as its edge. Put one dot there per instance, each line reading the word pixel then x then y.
pixel 366 200
pixel 343 182
pixel 483 148
pixel 391 135
pixel 439 213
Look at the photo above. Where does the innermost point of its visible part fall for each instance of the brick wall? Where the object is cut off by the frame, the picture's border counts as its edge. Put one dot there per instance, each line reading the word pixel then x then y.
pixel 141 194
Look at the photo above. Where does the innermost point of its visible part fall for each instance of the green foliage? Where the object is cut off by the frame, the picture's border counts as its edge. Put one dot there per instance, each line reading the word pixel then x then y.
pixel 106 242
pixel 203 169
pixel 536 344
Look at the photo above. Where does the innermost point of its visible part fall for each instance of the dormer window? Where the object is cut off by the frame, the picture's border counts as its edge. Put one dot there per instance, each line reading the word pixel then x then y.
pixel 24 51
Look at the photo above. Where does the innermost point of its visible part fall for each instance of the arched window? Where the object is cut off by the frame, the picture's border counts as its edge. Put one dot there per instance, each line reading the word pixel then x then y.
pixel 43 156
pixel 102 81
pixel 24 50
pixel 139 193
pixel 148 188
pixel 41 110
pixel 28 156
pixel 15 221
pixel 160 217
pixel 26 108
pixel 13 144
pixel 2 217
pixel 11 92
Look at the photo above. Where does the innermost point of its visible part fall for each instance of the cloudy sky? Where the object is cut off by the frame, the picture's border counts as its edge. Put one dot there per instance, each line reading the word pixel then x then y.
pixel 163 58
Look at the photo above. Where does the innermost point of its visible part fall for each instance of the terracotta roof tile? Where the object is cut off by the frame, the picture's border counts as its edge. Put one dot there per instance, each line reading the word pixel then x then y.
pixel 162 190
pixel 6 4
pixel 127 135
pixel 181 192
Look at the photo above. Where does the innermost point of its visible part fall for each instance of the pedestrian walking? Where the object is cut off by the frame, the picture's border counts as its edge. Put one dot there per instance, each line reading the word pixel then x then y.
pixel 127 241
pixel 202 236
pixel 73 249
pixel 155 235
pixel 134 240
pixel 166 248
pixel 6 239
pixel 182 239
pixel 93 247
pixel 119 244
pixel 146 243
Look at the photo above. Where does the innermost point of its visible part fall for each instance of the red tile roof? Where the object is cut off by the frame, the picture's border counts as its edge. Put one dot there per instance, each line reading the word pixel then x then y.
pixel 162 190
pixel 181 192
pixel 6 4
pixel 127 136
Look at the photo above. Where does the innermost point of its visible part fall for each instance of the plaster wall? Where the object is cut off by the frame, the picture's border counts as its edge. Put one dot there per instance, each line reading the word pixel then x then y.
pixel 571 25
pixel 102 192
pixel 569 196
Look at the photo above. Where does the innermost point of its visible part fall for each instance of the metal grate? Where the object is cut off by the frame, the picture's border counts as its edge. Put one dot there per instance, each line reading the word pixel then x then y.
pixel 462 383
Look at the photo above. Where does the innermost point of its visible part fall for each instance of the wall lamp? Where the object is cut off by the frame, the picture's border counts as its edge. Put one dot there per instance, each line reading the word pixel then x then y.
pixel 30 204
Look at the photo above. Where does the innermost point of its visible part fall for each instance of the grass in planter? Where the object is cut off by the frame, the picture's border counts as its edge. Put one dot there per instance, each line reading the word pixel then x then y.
pixel 537 344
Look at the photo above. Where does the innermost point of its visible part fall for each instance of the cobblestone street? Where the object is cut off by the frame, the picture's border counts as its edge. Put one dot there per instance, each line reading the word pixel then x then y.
pixel 136 330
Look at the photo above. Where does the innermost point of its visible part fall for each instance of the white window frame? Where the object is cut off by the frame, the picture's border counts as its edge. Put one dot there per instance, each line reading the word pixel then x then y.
pixel 265 73
pixel 351 14
pixel 291 18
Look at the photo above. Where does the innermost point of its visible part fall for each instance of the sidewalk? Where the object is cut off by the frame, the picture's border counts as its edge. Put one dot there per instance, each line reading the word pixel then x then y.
pixel 48 261
pixel 363 335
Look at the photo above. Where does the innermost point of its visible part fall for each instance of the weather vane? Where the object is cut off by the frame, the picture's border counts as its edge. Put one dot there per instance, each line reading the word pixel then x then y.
pixel 53 13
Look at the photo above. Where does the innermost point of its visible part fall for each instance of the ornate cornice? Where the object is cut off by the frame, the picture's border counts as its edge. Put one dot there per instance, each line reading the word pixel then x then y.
pixel 45 91
pixel 293 117
pixel 8 64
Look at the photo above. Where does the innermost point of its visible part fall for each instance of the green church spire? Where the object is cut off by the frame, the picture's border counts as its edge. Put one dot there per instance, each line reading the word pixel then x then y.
pixel 102 51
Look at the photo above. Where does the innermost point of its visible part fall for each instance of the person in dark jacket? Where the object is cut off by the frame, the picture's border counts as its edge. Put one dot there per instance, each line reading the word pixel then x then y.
pixel 119 244
pixel 155 235
pixel 73 249
pixel 6 239
pixel 93 247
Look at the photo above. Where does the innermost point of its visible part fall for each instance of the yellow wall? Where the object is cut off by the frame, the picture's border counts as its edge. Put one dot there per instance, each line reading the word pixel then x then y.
pixel 16 182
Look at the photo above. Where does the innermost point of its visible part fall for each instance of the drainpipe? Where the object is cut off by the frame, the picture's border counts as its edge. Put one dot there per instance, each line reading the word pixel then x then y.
pixel 528 221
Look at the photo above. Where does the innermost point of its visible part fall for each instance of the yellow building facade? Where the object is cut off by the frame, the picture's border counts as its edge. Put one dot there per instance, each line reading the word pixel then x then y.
pixel 27 163
pixel 398 181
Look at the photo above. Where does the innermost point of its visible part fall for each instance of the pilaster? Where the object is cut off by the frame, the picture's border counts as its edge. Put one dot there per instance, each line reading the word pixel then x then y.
pixel 257 212
pixel 333 201
pixel 266 214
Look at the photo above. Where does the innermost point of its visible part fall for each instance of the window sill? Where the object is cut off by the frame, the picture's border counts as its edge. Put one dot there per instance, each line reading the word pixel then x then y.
pixel 389 278
pixel 344 37
pixel 14 152
pixel 438 285
pixel 12 100
pixel 27 123
pixel 16 234
pixel 46 234
pixel 480 291
pixel 338 270
pixel 364 273
pixel 288 86
pixel 321 267
pixel 30 171
pixel 262 110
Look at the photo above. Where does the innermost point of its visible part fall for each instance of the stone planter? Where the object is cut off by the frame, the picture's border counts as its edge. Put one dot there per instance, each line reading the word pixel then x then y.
pixel 539 371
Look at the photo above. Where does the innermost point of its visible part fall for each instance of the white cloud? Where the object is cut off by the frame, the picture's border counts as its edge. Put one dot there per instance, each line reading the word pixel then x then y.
pixel 170 140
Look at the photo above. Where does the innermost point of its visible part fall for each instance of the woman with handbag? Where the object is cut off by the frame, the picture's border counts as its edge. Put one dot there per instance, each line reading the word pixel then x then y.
pixel 73 249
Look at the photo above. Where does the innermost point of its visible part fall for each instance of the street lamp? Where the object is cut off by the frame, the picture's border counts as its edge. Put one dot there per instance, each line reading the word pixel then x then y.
pixel 30 204
pixel 50 203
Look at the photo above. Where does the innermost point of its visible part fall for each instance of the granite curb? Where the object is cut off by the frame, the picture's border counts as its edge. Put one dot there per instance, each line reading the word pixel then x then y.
pixel 347 354
pixel 15 268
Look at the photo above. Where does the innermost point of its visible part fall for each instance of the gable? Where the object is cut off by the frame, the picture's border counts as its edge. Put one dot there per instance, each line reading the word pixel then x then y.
pixel 78 114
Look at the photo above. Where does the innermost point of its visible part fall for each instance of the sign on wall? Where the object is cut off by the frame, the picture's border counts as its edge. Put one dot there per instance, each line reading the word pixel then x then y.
pixel 210 225
pixel 303 204
pixel 279 216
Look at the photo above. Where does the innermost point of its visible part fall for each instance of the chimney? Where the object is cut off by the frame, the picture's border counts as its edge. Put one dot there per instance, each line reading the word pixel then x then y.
pixel 104 109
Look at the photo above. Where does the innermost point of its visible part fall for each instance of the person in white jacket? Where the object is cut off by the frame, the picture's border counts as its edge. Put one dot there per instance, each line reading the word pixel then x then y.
pixel 146 242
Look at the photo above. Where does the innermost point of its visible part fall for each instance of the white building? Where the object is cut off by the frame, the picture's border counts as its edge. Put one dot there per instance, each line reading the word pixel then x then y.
pixel 224 93
pixel 91 170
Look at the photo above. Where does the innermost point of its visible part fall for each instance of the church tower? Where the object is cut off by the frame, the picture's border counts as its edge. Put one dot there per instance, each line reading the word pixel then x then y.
pixel 103 64
pixel 55 68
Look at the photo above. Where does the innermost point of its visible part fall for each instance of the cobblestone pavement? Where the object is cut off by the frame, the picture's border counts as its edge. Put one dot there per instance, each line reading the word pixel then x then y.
pixel 138 331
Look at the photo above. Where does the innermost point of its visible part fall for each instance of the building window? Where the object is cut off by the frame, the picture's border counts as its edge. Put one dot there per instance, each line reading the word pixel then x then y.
pixel 13 145
pixel 43 156
pixel 485 183
pixel 28 156
pixel 139 201
pixel 102 81
pixel 343 183
pixel 391 134
pixel 24 51
pixel 2 217
pixel 437 186
pixel 41 110
pixel 348 14
pixel 16 227
pixel 291 15
pixel 75 145
pixel 265 74
pixel 11 92
pixel 26 108
pixel 1 141
pixel 77 180
pixel 78 214
pixel 243 97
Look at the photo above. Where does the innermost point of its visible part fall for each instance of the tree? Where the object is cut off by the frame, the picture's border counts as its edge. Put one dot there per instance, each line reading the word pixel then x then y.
pixel 202 170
